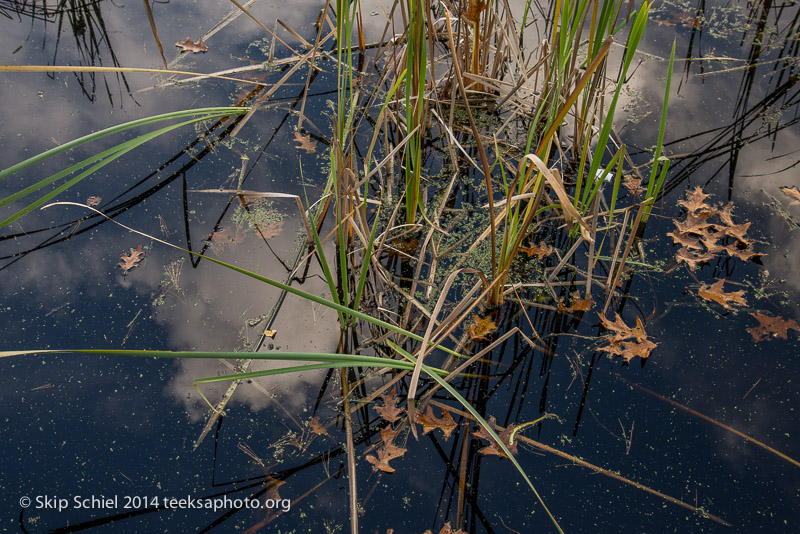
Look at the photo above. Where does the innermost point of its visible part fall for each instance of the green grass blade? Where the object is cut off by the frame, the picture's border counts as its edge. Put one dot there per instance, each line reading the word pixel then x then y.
pixel 482 422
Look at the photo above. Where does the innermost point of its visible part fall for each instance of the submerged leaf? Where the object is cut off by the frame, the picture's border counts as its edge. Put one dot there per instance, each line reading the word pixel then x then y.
pixel 772 327
pixel 190 46
pixel 317 427
pixel 541 250
pixel 714 292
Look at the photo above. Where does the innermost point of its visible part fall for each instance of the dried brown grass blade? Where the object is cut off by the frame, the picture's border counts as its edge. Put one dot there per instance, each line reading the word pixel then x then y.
pixel 153 28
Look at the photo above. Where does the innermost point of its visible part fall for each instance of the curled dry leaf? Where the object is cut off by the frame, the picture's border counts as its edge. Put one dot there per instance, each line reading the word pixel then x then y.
pixel 129 261
pixel 481 328
pixel 429 422
pixel 190 46
pixel 714 292
pixel 93 201
pixel 793 193
pixel 772 327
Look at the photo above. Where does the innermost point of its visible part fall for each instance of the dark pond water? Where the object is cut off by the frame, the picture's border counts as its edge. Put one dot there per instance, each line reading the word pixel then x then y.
pixel 75 427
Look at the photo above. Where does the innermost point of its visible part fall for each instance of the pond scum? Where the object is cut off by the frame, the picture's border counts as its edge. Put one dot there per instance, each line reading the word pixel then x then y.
pixel 474 202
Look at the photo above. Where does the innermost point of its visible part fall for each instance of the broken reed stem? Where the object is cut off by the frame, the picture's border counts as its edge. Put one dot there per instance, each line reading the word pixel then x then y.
pixel 351 460
pixel 595 468
pixel 713 421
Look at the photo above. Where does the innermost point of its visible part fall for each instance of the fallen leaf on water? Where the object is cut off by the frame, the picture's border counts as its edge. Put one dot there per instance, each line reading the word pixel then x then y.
pixel 481 328
pixel 621 343
pixel 93 201
pixel 772 327
pixel 389 411
pixel 505 437
pixel 578 304
pixel 429 422
pixel 305 143
pixel 388 451
pixel 317 427
pixel 190 46
pixel 633 185
pixel 129 261
pixel 446 529
pixel 793 193
pixel 714 292
pixel 541 250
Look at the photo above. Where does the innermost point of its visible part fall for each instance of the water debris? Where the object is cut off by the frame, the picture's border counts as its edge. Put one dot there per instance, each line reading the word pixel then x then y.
pixel 190 46
pixel 387 452
pixel 628 342
pixel 389 411
pixel 793 193
pixel 540 251
pixel 305 143
pixel 493 447
pixel 481 328
pixel 129 261
pixel 772 327
pixel 429 422
pixel 699 237
pixel 715 293
pixel 93 201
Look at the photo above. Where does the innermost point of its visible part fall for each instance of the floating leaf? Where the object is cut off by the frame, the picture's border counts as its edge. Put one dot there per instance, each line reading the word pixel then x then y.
pixel 715 293
pixel 429 422
pixel 633 185
pixel 695 201
pixel 481 328
pixel 505 437
pixel 621 344
pixel 446 529
pixel 387 452
pixel 389 411
pixel 578 304
pixel 190 46
pixel 540 251
pixel 129 261
pixel 793 193
pixel 305 143
pixel 772 327
pixel 271 333
pixel 93 201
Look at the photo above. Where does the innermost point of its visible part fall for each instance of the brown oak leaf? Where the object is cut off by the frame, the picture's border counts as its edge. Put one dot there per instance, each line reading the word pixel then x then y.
pixel 714 292
pixel 387 452
pixel 772 327
pixel 505 437
pixel 693 259
pixel 481 328
pixel 389 411
pixel 578 304
pixel 305 143
pixel 93 201
pixel 793 193
pixel 429 421
pixel 634 185
pixel 129 261
pixel 541 250
pixel 696 201
pixel 621 343
pixel 447 529
pixel 190 46
pixel 317 427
